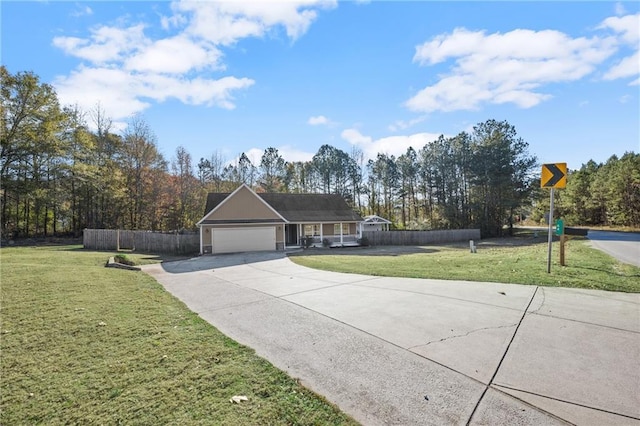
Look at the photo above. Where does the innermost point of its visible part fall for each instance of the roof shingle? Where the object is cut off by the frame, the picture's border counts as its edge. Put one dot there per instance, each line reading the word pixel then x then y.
pixel 300 207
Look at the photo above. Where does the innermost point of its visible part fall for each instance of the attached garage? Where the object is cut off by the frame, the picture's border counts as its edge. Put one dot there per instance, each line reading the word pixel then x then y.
pixel 233 240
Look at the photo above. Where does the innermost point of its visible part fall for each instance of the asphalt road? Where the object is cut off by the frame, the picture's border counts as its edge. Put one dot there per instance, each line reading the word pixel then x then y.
pixel 624 246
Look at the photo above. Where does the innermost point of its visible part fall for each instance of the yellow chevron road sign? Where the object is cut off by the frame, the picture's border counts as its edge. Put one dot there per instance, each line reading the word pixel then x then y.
pixel 554 175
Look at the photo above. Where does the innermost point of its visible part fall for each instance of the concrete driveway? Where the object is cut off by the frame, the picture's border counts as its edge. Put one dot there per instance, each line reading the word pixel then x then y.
pixel 414 351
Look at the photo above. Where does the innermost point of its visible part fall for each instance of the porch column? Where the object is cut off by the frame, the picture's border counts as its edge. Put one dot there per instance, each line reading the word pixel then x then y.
pixel 321 234
pixel 200 228
pixel 340 233
pixel 284 237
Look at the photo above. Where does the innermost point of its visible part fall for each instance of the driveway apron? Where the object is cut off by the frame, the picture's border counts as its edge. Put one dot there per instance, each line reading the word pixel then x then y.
pixel 414 351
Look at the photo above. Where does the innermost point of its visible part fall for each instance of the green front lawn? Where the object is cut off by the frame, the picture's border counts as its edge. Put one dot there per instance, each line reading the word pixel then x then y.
pixel 516 261
pixel 85 344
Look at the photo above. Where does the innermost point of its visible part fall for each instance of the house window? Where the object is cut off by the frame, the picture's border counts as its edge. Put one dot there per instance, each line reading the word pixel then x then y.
pixel 312 230
pixel 345 229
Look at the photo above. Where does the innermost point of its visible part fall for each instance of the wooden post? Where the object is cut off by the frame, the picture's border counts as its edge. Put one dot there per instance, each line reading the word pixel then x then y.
pixel 118 239
pixel 562 239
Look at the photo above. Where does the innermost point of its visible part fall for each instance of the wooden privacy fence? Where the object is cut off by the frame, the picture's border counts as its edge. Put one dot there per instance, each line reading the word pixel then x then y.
pixel 143 241
pixel 416 238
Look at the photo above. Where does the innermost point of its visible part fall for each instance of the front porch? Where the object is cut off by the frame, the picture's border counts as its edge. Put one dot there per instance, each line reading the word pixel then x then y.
pixel 320 235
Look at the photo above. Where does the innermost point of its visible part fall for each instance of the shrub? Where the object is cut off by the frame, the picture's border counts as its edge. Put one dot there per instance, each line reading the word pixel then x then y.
pixel 124 259
pixel 306 241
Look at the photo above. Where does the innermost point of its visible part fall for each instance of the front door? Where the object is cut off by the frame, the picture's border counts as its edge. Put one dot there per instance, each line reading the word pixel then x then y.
pixel 291 233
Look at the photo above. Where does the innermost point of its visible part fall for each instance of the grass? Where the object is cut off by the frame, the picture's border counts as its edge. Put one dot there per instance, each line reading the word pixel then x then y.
pixel 518 261
pixel 124 259
pixel 92 345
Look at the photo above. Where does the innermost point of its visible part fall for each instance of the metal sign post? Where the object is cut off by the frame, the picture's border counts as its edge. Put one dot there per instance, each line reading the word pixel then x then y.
pixel 550 233
pixel 554 175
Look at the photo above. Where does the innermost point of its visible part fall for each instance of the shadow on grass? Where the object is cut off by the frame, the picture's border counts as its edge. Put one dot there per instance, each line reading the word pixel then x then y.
pixel 146 258
pixel 612 273
pixel 219 261
pixel 67 248
pixel 55 246
pixel 367 251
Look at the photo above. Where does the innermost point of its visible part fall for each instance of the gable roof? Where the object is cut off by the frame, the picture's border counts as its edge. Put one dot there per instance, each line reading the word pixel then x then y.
pixel 219 199
pixel 299 207
pixel 375 219
pixel 311 207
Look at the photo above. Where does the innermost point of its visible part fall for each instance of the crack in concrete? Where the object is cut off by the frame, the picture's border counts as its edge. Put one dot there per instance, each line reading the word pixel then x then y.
pixel 504 355
pixel 585 322
pixel 544 298
pixel 420 293
pixel 501 388
pixel 462 335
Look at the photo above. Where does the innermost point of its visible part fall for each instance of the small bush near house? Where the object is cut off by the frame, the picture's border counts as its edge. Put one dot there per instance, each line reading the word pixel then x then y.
pixel 124 259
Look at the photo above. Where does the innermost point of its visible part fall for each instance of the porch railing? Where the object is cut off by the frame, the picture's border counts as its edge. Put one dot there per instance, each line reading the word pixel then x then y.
pixel 333 239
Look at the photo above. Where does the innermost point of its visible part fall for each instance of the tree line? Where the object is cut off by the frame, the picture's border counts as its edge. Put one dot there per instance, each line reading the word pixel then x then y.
pixel 60 177
pixel 63 170
pixel 599 194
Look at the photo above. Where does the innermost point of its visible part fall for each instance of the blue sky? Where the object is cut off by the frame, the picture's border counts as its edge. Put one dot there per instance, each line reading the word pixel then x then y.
pixel 380 76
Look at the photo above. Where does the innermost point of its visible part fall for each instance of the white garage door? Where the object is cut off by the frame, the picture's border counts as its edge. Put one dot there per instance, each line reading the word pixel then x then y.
pixel 233 240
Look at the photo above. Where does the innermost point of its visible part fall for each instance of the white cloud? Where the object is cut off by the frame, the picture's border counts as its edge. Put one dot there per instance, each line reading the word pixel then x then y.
pixel 354 137
pixel 291 154
pixel 105 44
pixel 628 29
pixel 391 145
pixel 619 8
pixel 504 68
pixel 126 70
pixel 122 93
pixel 403 125
pixel 624 99
pixel 627 26
pixel 197 91
pixel 254 155
pixel 287 152
pixel 627 67
pixel 175 55
pixel 81 10
pixel 115 89
pixel 318 120
pixel 227 22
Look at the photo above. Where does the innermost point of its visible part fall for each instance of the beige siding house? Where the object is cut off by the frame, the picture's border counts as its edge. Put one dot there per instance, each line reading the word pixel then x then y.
pixel 248 221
